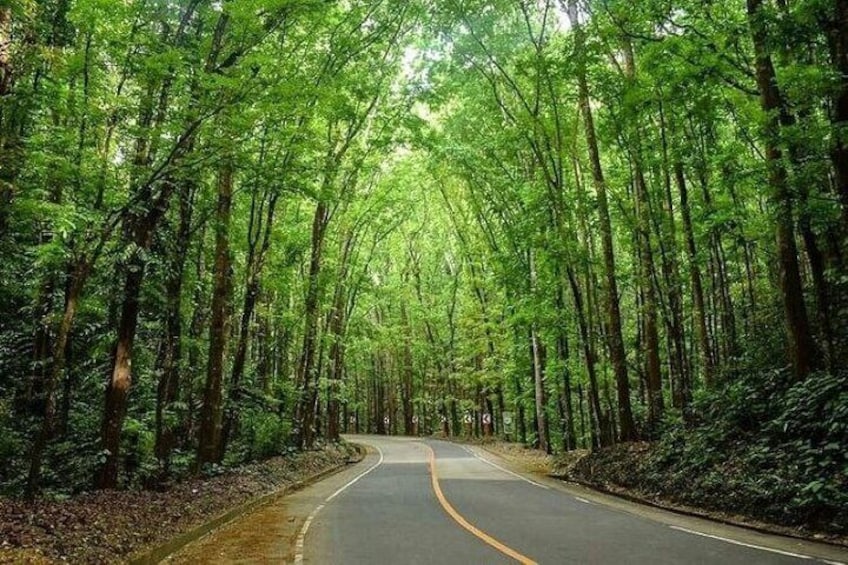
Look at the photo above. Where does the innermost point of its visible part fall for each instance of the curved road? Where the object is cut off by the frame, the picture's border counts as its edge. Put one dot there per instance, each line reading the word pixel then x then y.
pixel 392 514
pixel 433 502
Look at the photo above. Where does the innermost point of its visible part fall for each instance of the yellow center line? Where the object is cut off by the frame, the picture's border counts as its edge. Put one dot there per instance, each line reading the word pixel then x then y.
pixel 457 517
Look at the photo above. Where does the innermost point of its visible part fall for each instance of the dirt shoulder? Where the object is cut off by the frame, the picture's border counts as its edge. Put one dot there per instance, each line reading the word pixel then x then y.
pixel 270 533
pixel 588 470
pixel 109 527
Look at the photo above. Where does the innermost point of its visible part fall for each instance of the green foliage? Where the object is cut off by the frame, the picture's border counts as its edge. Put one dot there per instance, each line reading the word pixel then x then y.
pixel 264 435
pixel 12 442
pixel 762 446
pixel 402 209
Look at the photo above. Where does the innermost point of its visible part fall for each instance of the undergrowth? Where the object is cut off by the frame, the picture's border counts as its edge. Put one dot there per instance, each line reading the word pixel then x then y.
pixel 761 446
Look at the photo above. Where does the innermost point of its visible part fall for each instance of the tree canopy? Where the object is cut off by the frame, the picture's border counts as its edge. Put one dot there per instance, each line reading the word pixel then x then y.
pixel 235 228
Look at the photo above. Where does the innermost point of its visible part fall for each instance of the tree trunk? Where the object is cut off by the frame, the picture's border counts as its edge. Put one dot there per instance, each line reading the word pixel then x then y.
pixel 667 237
pixel 616 342
pixel 802 351
pixel 10 144
pixel 57 370
pixel 649 306
pixel 539 390
pixel 195 332
pixel 118 387
pixel 259 240
pixel 337 360
pixel 407 374
pixel 139 230
pixel 645 255
pixel 569 440
pixel 171 348
pixel 589 358
pixel 836 28
pixel 307 376
pixel 5 50
pixel 695 276
pixel 211 415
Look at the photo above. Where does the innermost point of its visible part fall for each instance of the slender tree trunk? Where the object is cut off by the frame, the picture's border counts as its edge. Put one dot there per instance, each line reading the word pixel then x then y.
pixel 645 255
pixel 259 240
pixel 582 409
pixel 649 306
pixel 520 420
pixel 836 28
pixel 171 348
pixel 540 393
pixel 700 312
pixel 407 384
pixel 267 342
pixel 379 395
pixel 139 231
pixel 57 370
pixel 40 366
pixel 569 439
pixel 616 342
pixel 307 377
pixel 667 238
pixel 195 332
pixel 211 415
pixel 10 143
pixel 589 358
pixel 337 359
pixel 5 50
pixel 563 355
pixel 537 359
pixel 802 351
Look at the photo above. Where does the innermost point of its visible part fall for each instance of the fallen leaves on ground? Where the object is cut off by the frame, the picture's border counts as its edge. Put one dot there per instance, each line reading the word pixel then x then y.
pixel 109 526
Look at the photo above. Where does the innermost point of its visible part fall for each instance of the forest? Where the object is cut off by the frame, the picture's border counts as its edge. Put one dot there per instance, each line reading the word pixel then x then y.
pixel 235 229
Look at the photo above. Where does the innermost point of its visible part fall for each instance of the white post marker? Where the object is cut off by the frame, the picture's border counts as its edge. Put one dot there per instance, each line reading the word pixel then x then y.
pixel 507 423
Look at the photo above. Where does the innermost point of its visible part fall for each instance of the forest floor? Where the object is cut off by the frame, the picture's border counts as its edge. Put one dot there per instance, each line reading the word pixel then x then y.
pixel 111 526
pixel 621 471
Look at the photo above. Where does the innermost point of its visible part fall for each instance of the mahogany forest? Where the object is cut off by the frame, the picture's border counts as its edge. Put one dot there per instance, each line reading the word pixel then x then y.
pixel 237 229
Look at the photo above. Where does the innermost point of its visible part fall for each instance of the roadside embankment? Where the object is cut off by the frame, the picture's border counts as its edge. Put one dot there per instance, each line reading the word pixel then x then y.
pixel 142 526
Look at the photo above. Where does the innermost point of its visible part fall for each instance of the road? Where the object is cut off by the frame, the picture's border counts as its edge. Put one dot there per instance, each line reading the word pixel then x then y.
pixel 392 514
pixel 434 502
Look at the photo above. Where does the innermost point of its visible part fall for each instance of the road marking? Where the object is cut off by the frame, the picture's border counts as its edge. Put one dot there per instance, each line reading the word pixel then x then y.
pixel 457 517
pixel 751 545
pixel 584 501
pixel 507 471
pixel 301 536
pixel 355 479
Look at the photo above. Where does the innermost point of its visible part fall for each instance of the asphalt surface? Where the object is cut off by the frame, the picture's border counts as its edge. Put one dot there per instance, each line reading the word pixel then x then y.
pixel 389 509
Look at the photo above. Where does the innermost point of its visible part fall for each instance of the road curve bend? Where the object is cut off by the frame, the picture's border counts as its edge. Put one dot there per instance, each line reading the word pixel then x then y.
pixel 434 502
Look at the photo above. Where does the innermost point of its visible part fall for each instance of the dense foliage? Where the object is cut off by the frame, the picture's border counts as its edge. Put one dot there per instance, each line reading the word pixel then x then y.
pixel 231 229
pixel 765 448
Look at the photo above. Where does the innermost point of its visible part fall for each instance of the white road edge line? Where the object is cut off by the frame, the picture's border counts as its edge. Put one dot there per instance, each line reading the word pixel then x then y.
pixel 301 537
pixel 753 546
pixel 507 471
pixel 584 501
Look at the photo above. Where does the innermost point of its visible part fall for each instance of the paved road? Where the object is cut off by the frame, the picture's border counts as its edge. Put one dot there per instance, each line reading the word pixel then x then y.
pixel 416 501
